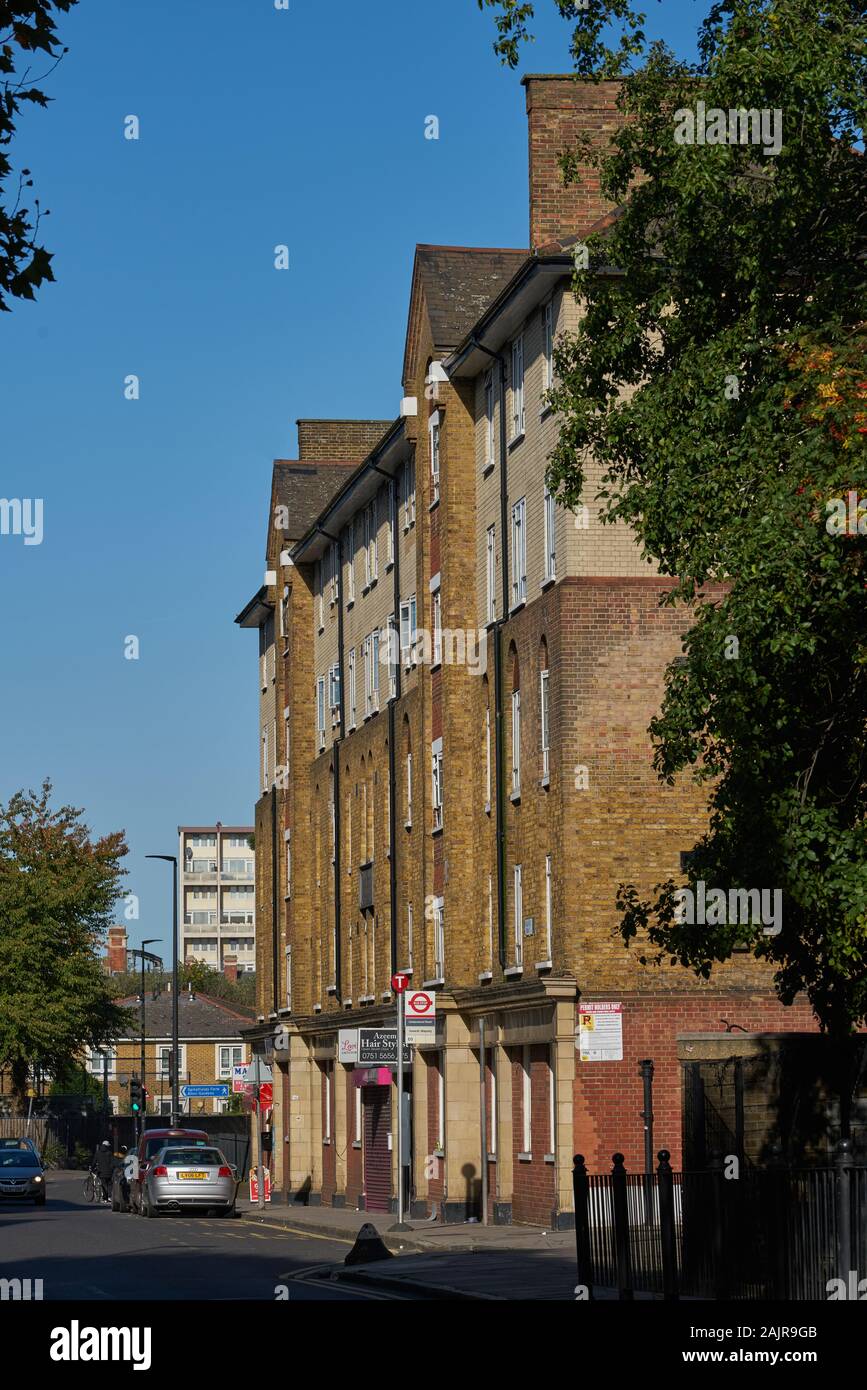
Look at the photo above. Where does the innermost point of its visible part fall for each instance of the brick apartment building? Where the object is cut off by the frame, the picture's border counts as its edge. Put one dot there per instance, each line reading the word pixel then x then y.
pixel 457 678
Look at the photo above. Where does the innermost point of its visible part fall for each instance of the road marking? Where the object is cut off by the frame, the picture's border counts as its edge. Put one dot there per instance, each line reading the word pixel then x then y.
pixel 309 1235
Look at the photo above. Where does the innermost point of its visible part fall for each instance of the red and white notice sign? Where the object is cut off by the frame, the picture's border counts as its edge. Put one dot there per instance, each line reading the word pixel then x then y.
pixel 599 1034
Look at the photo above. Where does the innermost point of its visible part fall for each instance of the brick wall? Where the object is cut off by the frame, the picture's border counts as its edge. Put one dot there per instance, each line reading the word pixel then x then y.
pixel 344 441
pixel 559 110
pixel 609 1095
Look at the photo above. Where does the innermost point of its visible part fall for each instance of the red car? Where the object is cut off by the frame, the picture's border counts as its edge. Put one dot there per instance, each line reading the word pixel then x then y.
pixel 136 1164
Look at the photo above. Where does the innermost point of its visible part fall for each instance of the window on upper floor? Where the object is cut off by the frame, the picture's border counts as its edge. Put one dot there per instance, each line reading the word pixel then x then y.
pixel 519 552
pixel 490 448
pixel 548 345
pixel 408 493
pixel 550 538
pixel 518 919
pixel 437 783
pixel 408 630
pixel 392 524
pixel 320 712
pixel 437 610
pixel 349 560
pixel 491 575
pixel 333 572
pixel 545 721
pixel 351 682
pixel 371 526
pixel 518 387
pixel 434 431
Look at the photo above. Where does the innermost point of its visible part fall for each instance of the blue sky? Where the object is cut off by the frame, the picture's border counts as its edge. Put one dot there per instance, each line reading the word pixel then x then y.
pixel 257 127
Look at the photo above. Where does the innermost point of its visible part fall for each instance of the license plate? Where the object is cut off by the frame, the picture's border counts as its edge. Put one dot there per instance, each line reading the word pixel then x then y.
pixel 196 1177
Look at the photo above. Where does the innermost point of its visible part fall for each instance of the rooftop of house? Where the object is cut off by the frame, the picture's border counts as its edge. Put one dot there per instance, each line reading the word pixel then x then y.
pixel 199 1016
pixel 305 489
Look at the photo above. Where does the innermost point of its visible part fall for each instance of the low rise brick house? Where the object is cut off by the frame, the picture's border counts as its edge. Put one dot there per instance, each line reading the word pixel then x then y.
pixel 462 679
pixel 210 1044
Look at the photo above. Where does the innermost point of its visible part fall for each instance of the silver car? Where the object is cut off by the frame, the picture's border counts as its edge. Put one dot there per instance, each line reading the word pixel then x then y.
pixel 21 1176
pixel 181 1179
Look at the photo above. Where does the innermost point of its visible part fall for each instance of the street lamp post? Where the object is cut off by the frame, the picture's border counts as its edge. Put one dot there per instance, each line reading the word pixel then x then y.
pixel 151 940
pixel 172 859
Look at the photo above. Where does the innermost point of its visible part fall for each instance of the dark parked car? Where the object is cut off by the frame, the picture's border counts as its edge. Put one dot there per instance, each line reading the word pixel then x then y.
pixel 21 1176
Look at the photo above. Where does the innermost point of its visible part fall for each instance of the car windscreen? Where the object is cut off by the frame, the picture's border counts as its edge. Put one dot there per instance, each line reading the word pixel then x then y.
pixel 153 1146
pixel 16 1144
pixel 182 1158
pixel 18 1158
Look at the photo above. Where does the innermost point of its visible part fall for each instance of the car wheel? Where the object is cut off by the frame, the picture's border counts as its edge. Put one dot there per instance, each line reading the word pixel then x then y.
pixel 147 1206
pixel 228 1212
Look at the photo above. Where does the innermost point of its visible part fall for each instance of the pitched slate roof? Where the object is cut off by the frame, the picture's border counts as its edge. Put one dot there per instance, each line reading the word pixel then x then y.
pixel 457 284
pixel 199 1016
pixel 305 490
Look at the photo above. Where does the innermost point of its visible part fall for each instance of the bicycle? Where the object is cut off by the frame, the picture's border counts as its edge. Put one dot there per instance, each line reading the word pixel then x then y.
pixel 92 1188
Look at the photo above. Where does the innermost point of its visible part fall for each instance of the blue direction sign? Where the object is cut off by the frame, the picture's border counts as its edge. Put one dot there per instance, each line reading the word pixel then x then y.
pixel 191 1092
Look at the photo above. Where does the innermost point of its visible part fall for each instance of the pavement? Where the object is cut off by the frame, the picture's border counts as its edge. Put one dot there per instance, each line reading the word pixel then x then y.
pixel 464 1261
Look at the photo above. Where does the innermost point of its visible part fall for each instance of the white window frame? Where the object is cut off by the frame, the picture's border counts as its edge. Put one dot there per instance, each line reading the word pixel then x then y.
pixel 526 1102
pixel 320 594
pixel 437 783
pixel 518 418
pixel 393 655
pixel 334 686
pixel 518 912
pixel 516 743
pixel 439 941
pixel 519 552
pixel 434 449
pixel 408 630
pixel 368 684
pixel 288 870
pixel 548 345
pixel 549 906
pixel 334 568
pixel 224 1068
pixel 491 575
pixel 374 671
pixel 392 524
pixel 550 513
pixel 320 712
pixel 352 701
pixel 437 624
pixel 490 444
pixel 408 790
pixel 488 787
pixel 545 719
pixel 408 493
pixel 349 538
pixel 96 1062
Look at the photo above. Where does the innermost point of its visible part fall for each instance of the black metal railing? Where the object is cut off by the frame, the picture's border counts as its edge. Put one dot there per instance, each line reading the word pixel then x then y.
pixel 729 1231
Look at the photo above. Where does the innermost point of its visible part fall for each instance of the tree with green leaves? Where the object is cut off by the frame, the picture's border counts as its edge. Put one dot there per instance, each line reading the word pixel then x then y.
pixel 719 378
pixel 57 891
pixel 27 32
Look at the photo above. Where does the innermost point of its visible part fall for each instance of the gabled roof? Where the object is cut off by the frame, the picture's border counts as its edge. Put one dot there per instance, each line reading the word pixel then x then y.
pixel 199 1016
pixel 454 285
pixel 305 490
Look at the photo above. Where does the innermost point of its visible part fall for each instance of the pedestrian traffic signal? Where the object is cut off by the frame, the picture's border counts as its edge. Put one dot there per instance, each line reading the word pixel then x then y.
pixel 136 1095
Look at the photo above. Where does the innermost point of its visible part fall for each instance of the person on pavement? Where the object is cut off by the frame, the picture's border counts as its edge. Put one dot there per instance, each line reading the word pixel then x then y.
pixel 104 1161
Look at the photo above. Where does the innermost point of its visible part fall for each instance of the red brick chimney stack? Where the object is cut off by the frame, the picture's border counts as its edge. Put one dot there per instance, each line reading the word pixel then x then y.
pixel 559 109
pixel 230 967
pixel 116 955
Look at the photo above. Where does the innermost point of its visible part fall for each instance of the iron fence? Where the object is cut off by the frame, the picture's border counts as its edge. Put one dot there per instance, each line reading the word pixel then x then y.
pixel 726 1232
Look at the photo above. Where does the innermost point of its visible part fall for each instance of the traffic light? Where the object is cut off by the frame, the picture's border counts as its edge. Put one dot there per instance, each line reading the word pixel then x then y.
pixel 136 1095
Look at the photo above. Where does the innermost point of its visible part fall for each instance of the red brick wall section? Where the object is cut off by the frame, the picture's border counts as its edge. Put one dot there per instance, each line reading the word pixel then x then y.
pixel 559 109
pixel 609 1096
pixel 533 1180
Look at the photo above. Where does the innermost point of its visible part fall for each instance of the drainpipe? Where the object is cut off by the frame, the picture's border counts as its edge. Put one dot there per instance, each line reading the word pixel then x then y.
pixel 499 722
pixel 392 722
pixel 335 754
